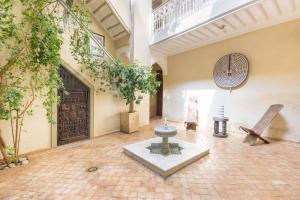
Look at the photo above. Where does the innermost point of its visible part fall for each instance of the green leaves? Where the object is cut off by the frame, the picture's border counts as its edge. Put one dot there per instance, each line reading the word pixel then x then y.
pixel 7 26
pixel 11 154
pixel 132 81
pixel 33 45
pixel 11 100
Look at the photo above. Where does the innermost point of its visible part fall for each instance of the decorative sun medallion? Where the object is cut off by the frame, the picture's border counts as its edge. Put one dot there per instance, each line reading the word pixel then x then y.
pixel 231 71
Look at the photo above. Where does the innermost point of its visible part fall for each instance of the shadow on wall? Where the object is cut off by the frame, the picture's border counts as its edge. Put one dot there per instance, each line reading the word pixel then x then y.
pixel 278 128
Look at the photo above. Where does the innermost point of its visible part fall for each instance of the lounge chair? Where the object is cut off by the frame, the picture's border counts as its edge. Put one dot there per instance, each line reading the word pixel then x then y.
pixel 261 125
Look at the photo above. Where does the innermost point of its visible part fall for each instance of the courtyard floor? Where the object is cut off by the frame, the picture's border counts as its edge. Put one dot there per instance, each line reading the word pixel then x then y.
pixel 232 170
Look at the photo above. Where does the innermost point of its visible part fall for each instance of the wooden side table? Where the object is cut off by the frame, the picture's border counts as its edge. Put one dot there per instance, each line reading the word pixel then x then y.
pixel 223 121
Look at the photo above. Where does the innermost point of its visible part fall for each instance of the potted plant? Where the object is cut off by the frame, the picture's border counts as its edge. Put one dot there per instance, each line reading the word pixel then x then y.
pixel 132 82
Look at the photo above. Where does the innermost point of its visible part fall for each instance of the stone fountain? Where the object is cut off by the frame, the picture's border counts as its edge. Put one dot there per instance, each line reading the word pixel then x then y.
pixel 165 154
pixel 165 148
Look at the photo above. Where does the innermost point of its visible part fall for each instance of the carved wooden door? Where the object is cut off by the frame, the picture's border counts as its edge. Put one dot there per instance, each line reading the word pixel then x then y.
pixel 159 77
pixel 73 111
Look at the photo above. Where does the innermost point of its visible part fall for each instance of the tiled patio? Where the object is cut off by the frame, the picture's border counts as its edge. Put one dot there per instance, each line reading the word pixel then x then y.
pixel 232 170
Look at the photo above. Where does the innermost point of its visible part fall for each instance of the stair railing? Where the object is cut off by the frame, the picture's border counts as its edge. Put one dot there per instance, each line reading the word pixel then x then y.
pixel 67 8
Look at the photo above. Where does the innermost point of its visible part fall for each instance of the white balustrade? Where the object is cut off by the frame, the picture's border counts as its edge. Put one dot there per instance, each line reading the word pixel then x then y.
pixel 174 10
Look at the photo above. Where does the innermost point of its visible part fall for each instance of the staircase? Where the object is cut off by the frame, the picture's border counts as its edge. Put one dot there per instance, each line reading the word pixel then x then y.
pixel 105 13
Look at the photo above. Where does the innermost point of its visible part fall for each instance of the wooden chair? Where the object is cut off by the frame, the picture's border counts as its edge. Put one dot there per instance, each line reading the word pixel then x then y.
pixel 261 125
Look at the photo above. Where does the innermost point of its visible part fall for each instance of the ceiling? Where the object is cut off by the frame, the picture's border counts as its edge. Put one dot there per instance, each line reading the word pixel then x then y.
pixel 107 17
pixel 260 15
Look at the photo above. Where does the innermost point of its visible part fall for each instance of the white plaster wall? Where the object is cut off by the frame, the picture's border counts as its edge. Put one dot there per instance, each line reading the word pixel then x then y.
pixel 273 54
pixel 142 12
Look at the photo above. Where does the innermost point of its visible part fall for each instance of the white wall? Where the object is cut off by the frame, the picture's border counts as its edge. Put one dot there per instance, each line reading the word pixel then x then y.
pixel 142 12
pixel 273 54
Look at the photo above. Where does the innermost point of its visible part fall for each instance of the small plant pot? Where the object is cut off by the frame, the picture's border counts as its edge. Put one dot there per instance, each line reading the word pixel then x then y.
pixel 129 122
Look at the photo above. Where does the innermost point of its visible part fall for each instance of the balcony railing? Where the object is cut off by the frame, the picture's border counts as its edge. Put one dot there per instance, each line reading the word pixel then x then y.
pixel 70 23
pixel 174 10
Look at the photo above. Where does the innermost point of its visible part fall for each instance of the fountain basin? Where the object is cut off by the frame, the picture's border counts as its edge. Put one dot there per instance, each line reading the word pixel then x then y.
pixel 164 147
pixel 165 131
pixel 165 165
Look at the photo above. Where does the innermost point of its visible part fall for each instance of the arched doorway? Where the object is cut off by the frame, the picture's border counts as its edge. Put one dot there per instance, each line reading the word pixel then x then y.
pixel 156 100
pixel 73 111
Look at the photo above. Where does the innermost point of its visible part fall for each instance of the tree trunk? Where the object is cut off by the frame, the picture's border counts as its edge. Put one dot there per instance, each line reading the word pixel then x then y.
pixel 131 107
pixel 3 149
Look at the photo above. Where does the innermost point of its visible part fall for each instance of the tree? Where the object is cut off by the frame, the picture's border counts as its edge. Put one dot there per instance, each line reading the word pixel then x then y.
pixel 30 47
pixel 132 82
pixel 31 44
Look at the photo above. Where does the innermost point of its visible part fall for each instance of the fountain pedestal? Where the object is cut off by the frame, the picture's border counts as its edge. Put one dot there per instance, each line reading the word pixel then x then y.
pixel 165 132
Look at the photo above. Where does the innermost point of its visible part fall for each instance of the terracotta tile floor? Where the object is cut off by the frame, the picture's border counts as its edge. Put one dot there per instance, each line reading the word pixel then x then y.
pixel 232 170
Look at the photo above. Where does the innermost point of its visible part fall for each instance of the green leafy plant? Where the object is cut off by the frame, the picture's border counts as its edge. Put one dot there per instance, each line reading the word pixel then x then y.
pixel 30 45
pixel 132 82
pixel 11 155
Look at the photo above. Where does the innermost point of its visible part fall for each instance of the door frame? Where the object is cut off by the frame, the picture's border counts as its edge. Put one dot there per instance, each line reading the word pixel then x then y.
pixel 84 80
pixel 159 112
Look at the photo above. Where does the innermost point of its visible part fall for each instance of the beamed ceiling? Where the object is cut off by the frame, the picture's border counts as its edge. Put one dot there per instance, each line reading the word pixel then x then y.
pixel 262 14
pixel 107 17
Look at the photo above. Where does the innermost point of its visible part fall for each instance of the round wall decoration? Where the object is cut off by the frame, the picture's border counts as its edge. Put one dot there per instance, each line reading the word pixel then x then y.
pixel 231 71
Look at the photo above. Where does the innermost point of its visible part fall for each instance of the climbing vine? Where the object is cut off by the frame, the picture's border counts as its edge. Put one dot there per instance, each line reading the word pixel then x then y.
pixel 30 43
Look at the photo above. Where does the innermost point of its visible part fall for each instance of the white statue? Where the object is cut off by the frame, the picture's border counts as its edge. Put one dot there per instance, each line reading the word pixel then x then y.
pixel 192 114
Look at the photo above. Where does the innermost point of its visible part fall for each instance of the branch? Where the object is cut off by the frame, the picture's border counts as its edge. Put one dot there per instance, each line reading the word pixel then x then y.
pixel 8 65
pixel 20 131
pixel 12 124
pixel 31 101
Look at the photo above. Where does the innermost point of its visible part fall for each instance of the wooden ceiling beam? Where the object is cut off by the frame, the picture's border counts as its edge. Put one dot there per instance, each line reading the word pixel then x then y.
pixel 99 7
pixel 120 33
pixel 211 31
pixel 277 7
pixel 237 18
pixel 205 35
pixel 227 22
pixel 106 17
pixel 113 26
pixel 250 15
pixel 263 10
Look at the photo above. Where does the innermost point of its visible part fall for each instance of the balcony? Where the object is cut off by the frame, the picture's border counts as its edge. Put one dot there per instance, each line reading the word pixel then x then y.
pixel 180 25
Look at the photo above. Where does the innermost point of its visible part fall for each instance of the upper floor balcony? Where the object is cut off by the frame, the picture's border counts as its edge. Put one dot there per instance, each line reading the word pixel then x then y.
pixel 176 16
pixel 179 25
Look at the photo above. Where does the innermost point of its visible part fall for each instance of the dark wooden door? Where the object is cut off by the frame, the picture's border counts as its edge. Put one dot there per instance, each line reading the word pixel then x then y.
pixel 159 94
pixel 73 110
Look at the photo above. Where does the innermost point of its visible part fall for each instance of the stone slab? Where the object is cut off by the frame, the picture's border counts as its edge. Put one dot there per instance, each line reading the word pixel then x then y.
pixel 165 165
